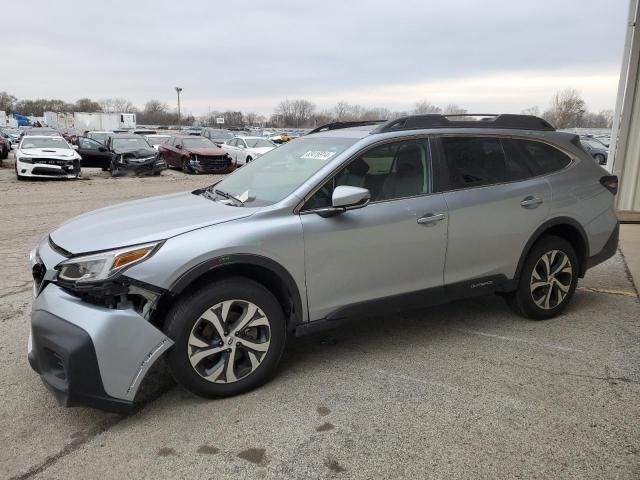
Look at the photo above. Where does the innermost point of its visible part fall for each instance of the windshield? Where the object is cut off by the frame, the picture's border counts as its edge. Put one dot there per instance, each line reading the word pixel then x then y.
pixel 157 140
pixel 130 143
pixel 275 175
pixel 100 137
pixel 43 142
pixel 198 142
pixel 259 143
pixel 222 135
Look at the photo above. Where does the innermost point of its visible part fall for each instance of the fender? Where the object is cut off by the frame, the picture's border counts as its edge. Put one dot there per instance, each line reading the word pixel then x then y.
pixel 224 261
pixel 542 229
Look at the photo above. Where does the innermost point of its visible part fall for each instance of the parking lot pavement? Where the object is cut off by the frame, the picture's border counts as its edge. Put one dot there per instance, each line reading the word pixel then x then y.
pixel 466 390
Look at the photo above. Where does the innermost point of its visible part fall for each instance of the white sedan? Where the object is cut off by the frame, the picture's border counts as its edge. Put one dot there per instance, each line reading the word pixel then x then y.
pixel 42 156
pixel 244 149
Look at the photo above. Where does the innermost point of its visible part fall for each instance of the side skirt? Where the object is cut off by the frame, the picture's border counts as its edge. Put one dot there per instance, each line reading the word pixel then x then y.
pixel 409 301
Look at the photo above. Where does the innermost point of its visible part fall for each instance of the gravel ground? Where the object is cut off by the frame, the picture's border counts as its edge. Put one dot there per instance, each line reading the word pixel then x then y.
pixel 465 390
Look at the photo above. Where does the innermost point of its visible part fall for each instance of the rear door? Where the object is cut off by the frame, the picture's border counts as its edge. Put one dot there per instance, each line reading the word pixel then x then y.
pixel 496 200
pixel 94 154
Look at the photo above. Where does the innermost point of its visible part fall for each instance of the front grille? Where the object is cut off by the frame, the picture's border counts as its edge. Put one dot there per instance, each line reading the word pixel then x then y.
pixel 217 164
pixel 50 171
pixel 52 161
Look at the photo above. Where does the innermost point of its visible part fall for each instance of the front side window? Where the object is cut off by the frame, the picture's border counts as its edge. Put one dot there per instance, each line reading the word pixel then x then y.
pixel 544 157
pixel 477 161
pixel 391 171
pixel 276 174
pixel 88 144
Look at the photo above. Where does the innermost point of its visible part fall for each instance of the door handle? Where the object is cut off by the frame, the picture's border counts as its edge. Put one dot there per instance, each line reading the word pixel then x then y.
pixel 531 202
pixel 431 218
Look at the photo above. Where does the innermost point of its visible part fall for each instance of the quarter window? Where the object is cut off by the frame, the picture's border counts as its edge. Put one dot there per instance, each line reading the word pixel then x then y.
pixel 545 158
pixel 477 161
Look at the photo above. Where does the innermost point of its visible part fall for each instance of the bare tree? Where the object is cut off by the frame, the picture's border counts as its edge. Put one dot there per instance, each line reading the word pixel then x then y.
pixel 7 102
pixel 117 105
pixel 608 115
pixel 425 107
pixel 87 105
pixel 294 113
pixel 453 109
pixel 567 109
pixel 251 118
pixel 535 111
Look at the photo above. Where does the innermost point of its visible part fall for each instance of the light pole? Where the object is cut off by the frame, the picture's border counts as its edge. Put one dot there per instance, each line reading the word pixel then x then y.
pixel 178 90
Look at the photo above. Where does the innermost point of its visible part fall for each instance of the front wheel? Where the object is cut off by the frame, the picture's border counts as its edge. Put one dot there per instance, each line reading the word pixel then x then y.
pixel 229 337
pixel 185 166
pixel 548 279
pixel 600 159
pixel 248 159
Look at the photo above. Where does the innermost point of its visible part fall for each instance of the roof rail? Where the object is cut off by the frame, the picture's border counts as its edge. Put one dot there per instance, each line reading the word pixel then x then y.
pixel 338 125
pixel 466 120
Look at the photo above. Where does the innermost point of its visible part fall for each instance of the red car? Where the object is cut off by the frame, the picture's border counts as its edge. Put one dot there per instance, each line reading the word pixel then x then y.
pixel 195 155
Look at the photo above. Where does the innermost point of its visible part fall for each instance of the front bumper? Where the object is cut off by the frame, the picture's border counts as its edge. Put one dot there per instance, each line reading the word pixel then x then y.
pixel 49 168
pixel 91 355
pixel 141 168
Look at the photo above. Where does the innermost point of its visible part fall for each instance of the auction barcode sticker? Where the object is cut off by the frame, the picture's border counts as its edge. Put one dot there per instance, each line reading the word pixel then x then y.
pixel 317 155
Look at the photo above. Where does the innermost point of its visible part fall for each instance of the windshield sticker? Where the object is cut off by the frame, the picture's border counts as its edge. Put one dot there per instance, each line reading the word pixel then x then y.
pixel 317 155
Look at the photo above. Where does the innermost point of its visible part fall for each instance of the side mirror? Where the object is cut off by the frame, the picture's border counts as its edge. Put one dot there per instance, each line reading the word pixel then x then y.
pixel 102 149
pixel 346 198
pixel 75 147
pixel 179 147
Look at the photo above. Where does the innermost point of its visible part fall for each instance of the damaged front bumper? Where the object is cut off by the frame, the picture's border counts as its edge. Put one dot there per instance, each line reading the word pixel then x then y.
pixel 90 354
pixel 140 166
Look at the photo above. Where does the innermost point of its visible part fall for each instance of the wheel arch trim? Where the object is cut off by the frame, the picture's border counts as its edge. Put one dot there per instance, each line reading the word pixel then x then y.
pixel 544 228
pixel 238 260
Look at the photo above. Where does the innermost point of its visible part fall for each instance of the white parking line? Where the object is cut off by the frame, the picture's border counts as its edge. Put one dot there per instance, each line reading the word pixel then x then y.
pixel 516 339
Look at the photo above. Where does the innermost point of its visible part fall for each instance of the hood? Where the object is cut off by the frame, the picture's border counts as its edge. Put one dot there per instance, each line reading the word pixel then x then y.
pixel 48 152
pixel 261 150
pixel 208 152
pixel 138 153
pixel 141 221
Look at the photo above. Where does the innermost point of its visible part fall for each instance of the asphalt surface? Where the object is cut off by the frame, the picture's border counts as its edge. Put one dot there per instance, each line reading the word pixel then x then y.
pixel 466 390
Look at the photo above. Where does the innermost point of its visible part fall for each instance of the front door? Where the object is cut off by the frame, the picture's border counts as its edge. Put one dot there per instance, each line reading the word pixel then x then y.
pixel 94 154
pixel 388 254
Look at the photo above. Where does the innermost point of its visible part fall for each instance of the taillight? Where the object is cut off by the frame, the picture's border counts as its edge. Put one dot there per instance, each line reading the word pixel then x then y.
pixel 610 182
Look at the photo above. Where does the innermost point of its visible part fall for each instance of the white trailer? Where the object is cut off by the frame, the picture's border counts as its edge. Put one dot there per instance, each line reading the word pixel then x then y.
pixel 127 120
pixel 103 121
pixel 51 119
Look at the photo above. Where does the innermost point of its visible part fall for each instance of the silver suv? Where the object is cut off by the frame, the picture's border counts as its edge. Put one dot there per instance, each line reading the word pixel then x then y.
pixel 352 219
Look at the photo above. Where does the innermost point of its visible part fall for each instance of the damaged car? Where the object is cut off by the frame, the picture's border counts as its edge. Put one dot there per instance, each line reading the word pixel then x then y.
pixel 132 153
pixel 195 154
pixel 46 157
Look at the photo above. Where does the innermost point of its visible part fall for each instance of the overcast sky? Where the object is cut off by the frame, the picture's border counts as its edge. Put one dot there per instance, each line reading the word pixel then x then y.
pixel 485 55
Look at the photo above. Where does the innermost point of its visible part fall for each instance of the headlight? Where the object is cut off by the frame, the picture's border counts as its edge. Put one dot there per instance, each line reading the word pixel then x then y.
pixel 24 159
pixel 101 266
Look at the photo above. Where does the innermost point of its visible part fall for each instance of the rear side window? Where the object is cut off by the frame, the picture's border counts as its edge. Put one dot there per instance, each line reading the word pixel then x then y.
pixel 477 161
pixel 545 158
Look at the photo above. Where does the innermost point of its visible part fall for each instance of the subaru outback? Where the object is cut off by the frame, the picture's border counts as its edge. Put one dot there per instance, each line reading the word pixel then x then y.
pixel 349 220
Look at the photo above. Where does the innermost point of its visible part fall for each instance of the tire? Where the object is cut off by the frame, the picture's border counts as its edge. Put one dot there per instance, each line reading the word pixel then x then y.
pixel 185 166
pixel 600 159
pixel 195 334
pixel 115 171
pixel 532 298
pixel 247 160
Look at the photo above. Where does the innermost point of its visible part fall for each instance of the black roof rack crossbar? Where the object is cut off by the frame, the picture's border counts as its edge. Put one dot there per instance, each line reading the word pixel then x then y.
pixel 339 125
pixel 502 121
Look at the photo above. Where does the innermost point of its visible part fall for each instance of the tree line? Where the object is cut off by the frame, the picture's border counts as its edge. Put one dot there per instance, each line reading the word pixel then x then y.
pixel 567 109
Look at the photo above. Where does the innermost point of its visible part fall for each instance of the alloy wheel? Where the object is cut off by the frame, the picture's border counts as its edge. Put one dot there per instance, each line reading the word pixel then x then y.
pixel 551 279
pixel 229 341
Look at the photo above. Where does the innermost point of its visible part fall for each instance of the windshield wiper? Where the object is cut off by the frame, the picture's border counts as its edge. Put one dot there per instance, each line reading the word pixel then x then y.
pixel 228 196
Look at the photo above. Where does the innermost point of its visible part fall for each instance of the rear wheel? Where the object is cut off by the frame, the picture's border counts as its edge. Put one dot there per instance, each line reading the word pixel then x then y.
pixel 229 337
pixel 249 159
pixel 548 279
